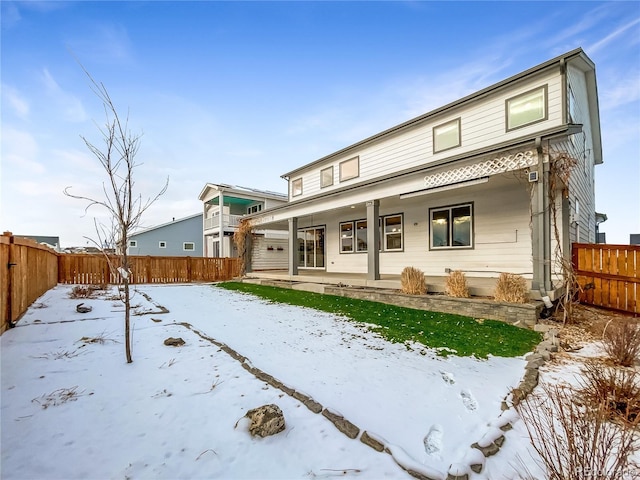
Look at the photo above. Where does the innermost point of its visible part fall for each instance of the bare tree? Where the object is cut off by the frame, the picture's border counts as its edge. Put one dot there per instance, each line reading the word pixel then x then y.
pixel 123 205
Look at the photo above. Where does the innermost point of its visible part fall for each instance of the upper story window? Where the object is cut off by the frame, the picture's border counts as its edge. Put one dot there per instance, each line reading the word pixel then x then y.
pixel 350 169
pixel 162 244
pixel 326 177
pixel 447 136
pixel 573 115
pixel 296 187
pixel 188 246
pixel 133 243
pixel 254 208
pixel 527 108
pixel 452 227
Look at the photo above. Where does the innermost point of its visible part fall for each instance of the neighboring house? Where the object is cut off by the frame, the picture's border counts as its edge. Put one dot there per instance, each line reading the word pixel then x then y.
pixel 224 207
pixel 51 242
pixel 480 185
pixel 178 238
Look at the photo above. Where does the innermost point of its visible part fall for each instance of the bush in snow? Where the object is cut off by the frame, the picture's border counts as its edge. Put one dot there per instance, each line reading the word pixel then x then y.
pixel 621 341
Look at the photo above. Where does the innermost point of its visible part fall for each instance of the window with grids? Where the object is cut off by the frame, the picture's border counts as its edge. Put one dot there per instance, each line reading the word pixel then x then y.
pixel 452 227
pixel 188 246
pixel 162 244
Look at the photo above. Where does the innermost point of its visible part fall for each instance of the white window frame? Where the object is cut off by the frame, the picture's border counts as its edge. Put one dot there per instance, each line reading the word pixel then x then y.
pixel 185 249
pixel 440 130
pixel 162 244
pixel 254 208
pixel 449 209
pixel 133 243
pixel 326 180
pixel 511 104
pixel 346 167
pixel 296 187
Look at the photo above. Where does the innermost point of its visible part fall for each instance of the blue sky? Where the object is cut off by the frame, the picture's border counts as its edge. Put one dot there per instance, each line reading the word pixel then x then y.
pixel 242 92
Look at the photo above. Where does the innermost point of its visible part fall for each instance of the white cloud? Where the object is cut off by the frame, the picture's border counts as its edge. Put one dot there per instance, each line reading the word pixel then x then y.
pixel 613 35
pixel 69 104
pixel 20 150
pixel 15 101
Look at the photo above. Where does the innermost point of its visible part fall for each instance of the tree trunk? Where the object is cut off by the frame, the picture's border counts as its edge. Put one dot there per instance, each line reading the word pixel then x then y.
pixel 127 328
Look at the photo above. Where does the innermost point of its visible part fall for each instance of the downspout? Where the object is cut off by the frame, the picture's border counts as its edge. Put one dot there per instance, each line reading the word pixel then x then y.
pixel 545 285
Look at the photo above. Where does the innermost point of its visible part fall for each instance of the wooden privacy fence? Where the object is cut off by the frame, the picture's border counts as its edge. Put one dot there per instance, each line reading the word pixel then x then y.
pixel 94 269
pixel 608 275
pixel 27 270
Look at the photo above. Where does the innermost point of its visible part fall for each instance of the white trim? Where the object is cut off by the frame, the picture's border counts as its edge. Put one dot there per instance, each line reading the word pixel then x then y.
pixel 444 188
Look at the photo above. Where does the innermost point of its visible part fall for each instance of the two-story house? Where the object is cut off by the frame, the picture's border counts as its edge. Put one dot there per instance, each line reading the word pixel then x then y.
pixel 224 206
pixel 180 237
pixel 501 180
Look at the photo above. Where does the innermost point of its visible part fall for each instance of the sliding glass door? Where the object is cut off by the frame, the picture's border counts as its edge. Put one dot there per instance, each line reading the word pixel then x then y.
pixel 311 247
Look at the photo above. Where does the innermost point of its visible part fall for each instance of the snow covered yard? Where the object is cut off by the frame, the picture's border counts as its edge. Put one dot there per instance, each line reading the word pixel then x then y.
pixel 72 408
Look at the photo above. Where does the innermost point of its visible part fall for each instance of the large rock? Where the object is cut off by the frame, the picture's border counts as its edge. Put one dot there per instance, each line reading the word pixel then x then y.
pixel 266 420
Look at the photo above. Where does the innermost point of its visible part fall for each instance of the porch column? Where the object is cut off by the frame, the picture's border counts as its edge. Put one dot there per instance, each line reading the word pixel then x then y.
pixel 373 240
pixel 221 253
pixel 293 246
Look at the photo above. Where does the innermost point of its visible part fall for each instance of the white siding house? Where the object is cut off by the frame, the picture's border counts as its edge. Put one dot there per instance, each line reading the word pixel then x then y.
pixel 224 206
pixel 499 181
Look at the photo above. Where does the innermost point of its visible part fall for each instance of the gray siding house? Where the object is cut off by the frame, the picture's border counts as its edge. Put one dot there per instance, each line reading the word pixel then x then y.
pixel 178 238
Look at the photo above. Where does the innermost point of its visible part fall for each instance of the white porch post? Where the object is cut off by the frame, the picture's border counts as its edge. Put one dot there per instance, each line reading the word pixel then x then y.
pixel 293 246
pixel 373 240
pixel 221 253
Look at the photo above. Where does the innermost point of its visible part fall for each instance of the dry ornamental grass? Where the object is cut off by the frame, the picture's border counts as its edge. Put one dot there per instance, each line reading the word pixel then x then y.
pixel 511 288
pixel 621 341
pixel 456 285
pixel 412 281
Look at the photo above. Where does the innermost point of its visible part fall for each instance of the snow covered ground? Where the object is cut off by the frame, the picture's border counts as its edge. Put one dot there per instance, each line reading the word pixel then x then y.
pixel 72 408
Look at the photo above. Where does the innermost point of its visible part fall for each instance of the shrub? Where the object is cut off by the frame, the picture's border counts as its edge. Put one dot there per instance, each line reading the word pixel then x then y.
pixel 412 281
pixel 81 291
pixel 574 440
pixel 511 288
pixel 456 285
pixel 617 389
pixel 621 341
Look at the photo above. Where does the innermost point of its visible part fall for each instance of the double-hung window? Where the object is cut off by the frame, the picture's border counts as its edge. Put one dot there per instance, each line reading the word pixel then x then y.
pixel 452 227
pixel 392 232
pixel 346 237
pixel 527 108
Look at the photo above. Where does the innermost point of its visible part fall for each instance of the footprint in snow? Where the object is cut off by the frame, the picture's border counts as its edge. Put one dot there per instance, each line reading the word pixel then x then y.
pixel 468 400
pixel 448 377
pixel 433 440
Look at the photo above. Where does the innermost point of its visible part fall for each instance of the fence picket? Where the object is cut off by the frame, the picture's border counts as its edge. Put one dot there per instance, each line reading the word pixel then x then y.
pixel 608 275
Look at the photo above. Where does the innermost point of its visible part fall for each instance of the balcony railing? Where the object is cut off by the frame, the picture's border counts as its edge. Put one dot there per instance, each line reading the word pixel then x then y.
pixel 227 221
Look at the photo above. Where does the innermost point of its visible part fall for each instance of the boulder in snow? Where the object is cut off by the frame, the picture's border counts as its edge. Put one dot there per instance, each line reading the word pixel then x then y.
pixel 266 420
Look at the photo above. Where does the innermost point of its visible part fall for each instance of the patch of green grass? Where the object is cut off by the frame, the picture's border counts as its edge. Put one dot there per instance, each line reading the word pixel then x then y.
pixel 450 334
